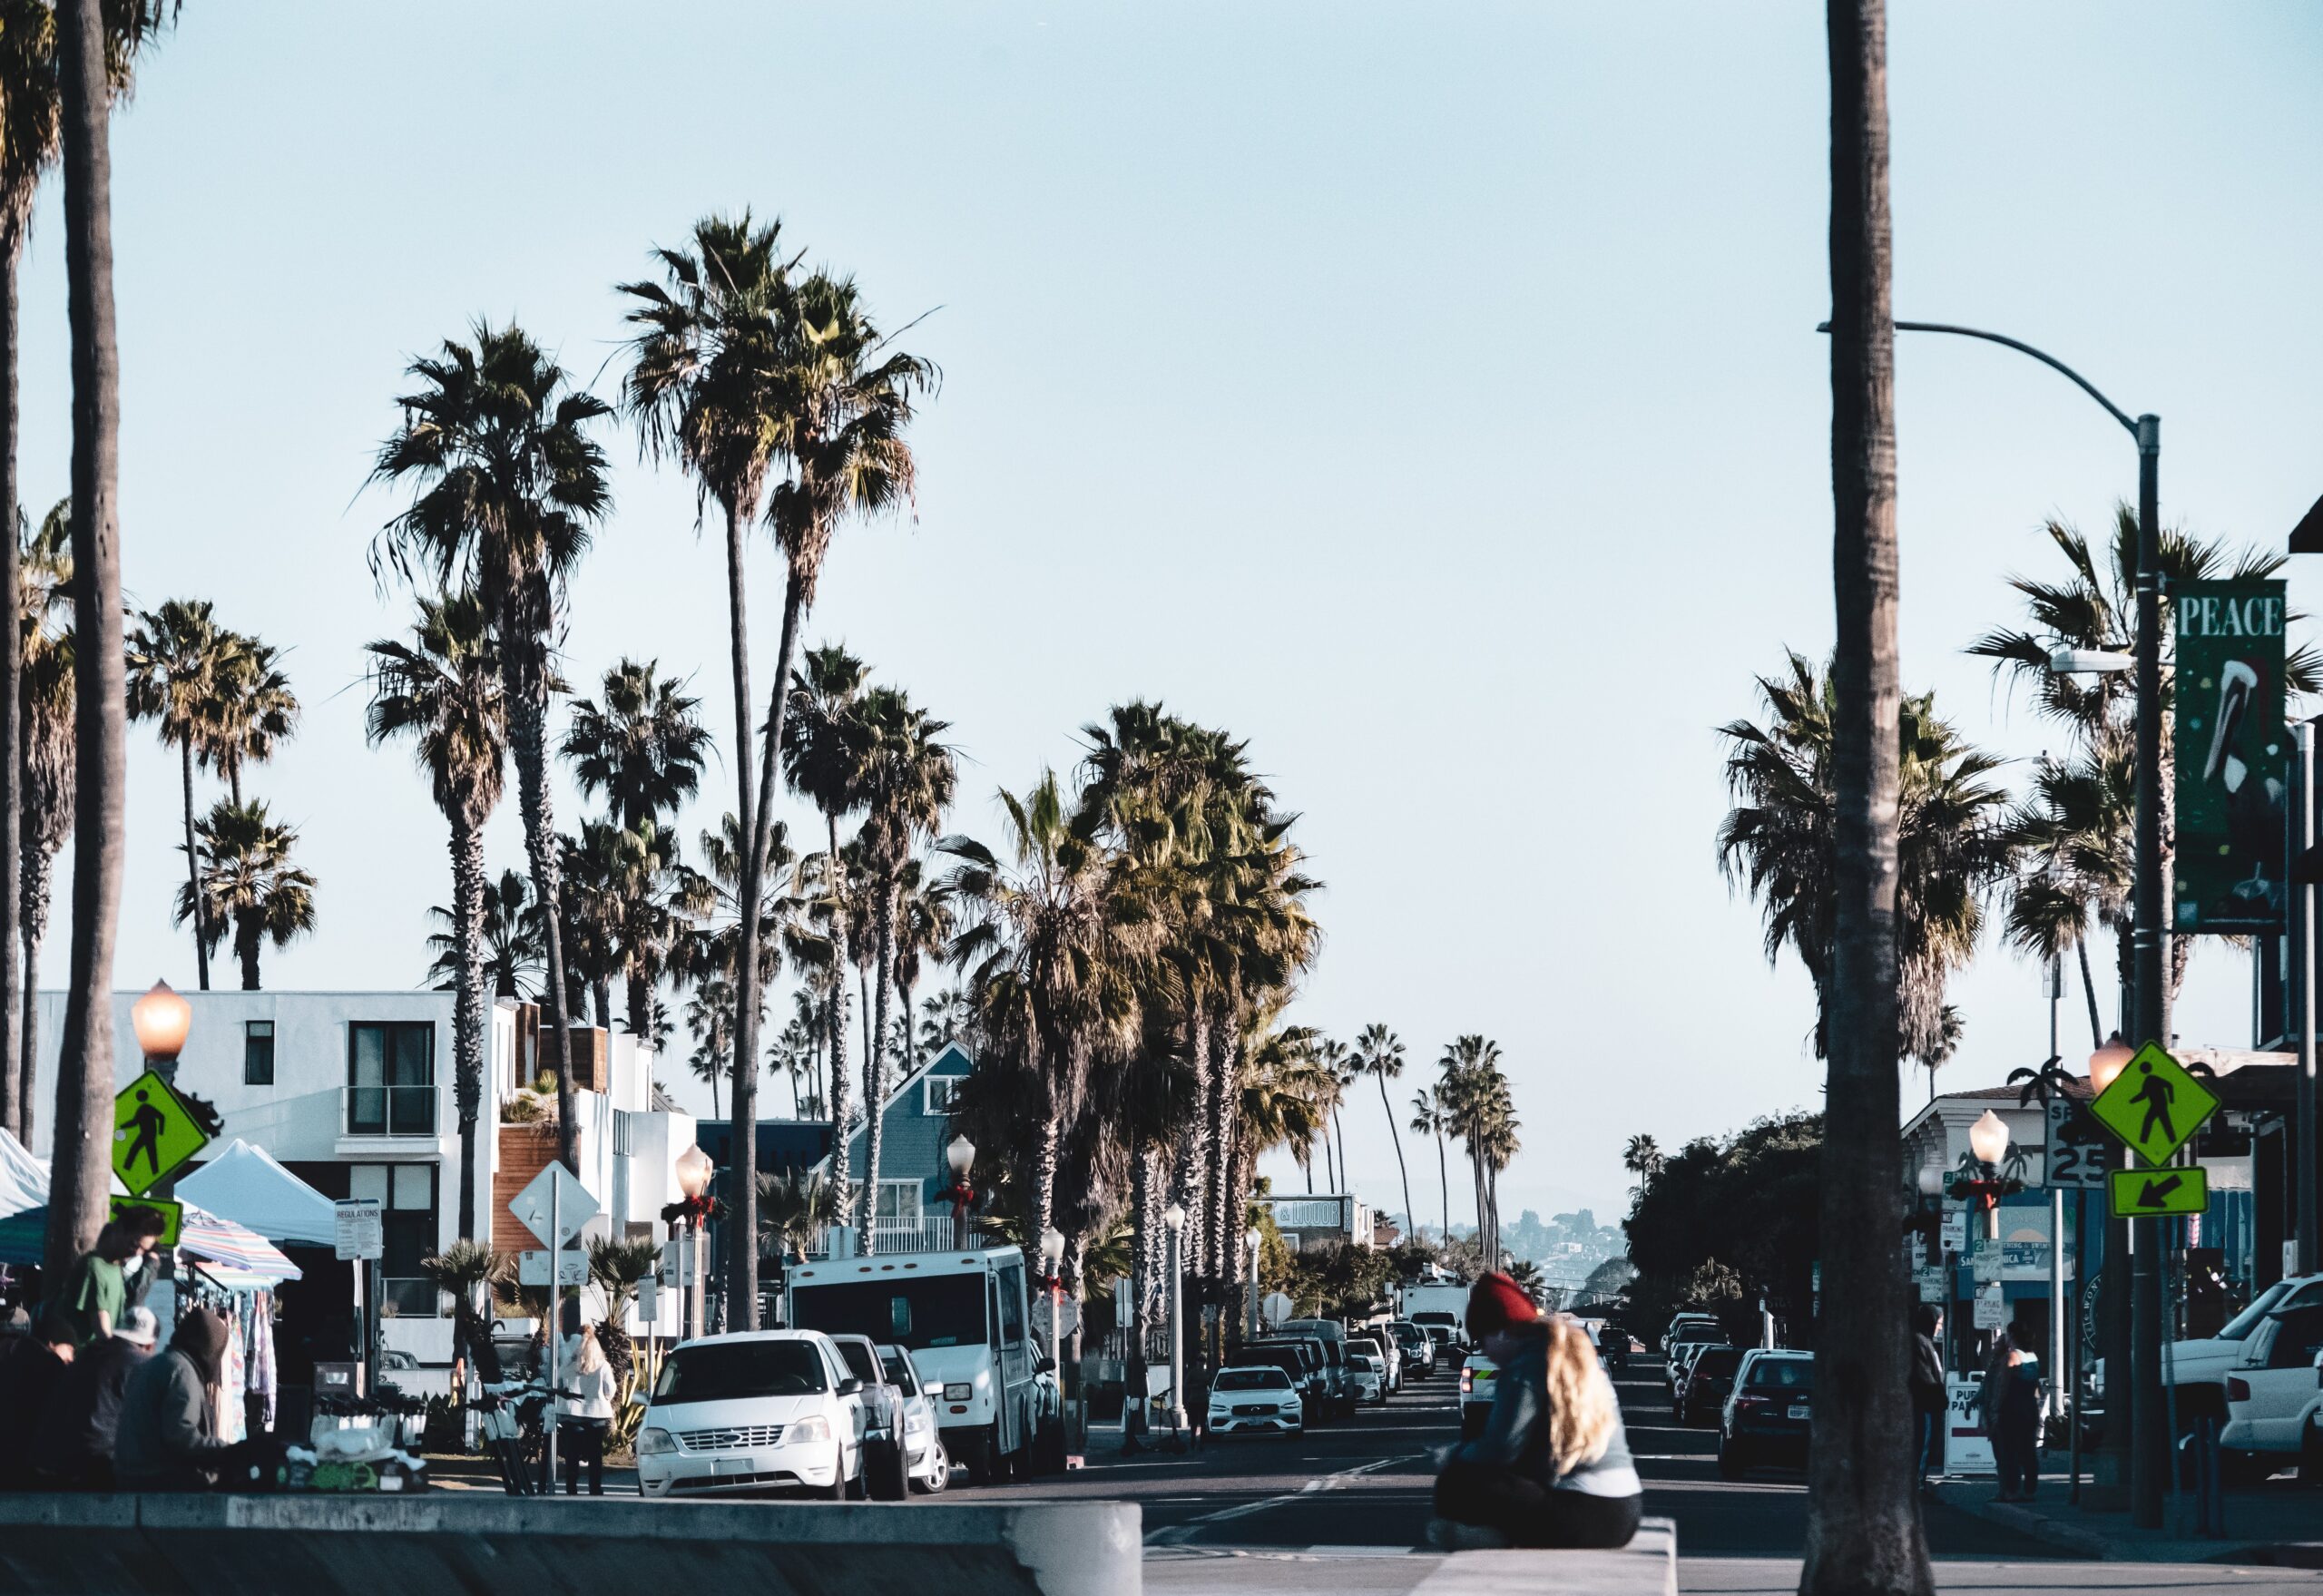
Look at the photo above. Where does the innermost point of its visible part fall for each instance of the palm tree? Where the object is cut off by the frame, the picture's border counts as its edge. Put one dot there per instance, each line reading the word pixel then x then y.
pixel 1428 1120
pixel 904 781
pixel 1863 1531
pixel 1780 841
pixel 615 1267
pixel 1473 1091
pixel 249 881
pixel 793 1209
pixel 509 923
pixel 92 50
pixel 45 628
pixel 441 690
pixel 822 756
pixel 944 1019
pixel 1643 1157
pixel 1379 1054
pixel 509 484
pixel 709 1016
pixel 923 931
pixel 179 659
pixel 643 750
pixel 255 710
pixel 459 1270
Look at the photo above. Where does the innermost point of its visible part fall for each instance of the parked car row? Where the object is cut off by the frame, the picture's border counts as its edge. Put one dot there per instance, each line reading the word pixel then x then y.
pixel 1313 1370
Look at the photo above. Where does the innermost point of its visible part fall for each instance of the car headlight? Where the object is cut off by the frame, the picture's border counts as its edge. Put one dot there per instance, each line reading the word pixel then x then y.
pixel 918 1424
pixel 958 1391
pixel 654 1442
pixel 814 1428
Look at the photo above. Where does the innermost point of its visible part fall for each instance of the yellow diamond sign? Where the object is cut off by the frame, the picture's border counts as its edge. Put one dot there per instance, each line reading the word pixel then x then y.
pixel 153 1133
pixel 2154 1105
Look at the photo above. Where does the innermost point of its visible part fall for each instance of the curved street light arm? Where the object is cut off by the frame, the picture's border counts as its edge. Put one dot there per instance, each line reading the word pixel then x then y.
pixel 2086 387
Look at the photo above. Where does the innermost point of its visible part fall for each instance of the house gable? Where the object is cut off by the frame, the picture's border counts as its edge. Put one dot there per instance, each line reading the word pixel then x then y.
pixel 913 1134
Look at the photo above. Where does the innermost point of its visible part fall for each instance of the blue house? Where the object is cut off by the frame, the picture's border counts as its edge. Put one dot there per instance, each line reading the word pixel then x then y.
pixel 915 1128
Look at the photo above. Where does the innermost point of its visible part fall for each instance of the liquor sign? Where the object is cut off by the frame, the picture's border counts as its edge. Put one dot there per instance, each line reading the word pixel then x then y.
pixel 2231 753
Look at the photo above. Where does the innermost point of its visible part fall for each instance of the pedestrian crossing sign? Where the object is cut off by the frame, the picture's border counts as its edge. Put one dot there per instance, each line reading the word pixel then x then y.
pixel 2154 1105
pixel 153 1133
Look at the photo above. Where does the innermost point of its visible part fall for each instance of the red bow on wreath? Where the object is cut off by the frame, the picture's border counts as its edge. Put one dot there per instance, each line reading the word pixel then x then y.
pixel 693 1209
pixel 962 1197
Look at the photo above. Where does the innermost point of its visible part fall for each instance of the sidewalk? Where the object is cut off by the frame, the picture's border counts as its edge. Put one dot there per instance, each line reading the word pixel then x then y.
pixel 2279 1524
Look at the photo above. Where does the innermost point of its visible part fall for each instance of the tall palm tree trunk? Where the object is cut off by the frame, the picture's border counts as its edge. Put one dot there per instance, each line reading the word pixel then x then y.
pixel 15 1080
pixel 38 881
pixel 1194 1147
pixel 2089 992
pixel 528 740
pixel 875 1064
pixel 1403 1170
pixel 1444 1178
pixel 467 1003
pixel 840 1195
pixel 1143 1181
pixel 1224 1076
pixel 246 940
pixel 193 869
pixel 639 1004
pixel 1862 1525
pixel 81 1167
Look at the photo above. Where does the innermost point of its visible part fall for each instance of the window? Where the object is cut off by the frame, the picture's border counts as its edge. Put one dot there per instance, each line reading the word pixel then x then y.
pixel 730 1370
pixel 941 1090
pixel 1011 1305
pixel 899 1205
pixel 406 1194
pixel 391 1078
pixel 937 1310
pixel 258 1053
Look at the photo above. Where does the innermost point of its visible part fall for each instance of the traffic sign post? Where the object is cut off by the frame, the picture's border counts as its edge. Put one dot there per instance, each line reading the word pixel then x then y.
pixel 2148 1194
pixel 2154 1105
pixel 2077 1149
pixel 154 1134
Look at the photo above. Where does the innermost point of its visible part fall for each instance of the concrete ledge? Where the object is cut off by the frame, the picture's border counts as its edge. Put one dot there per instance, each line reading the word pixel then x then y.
pixel 141 1545
pixel 1647 1566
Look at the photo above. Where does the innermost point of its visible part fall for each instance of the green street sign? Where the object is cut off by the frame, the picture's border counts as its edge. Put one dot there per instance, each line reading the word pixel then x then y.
pixel 173 1215
pixel 2154 1105
pixel 2229 875
pixel 153 1133
pixel 2146 1194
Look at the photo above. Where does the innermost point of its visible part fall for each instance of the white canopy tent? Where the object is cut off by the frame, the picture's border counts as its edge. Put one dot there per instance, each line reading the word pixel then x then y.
pixel 245 1185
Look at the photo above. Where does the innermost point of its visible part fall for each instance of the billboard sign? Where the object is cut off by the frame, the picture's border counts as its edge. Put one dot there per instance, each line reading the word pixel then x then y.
pixel 2231 758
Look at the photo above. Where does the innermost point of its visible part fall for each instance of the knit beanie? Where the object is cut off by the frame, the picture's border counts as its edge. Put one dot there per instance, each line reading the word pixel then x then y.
pixel 1496 1303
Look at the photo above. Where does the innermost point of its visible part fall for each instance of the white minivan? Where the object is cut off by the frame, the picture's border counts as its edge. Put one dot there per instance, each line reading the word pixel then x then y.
pixel 758 1410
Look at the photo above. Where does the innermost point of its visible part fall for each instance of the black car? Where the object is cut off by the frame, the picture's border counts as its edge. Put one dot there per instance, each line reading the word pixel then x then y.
pixel 1702 1393
pixel 1767 1415
pixel 1302 1360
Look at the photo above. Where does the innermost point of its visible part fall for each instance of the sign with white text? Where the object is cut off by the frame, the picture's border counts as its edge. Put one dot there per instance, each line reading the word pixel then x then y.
pixel 2229 869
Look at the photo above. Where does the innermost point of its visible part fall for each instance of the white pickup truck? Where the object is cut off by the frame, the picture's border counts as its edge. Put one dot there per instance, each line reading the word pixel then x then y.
pixel 2199 1368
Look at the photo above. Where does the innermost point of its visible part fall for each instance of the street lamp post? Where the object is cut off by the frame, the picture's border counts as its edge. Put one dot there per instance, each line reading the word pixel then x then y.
pixel 1254 1237
pixel 961 1157
pixel 162 1019
pixel 693 1171
pixel 2148 1438
pixel 1174 1218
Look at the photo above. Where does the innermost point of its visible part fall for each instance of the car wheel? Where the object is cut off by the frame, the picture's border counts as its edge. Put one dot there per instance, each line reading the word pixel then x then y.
pixel 2311 1456
pixel 837 1490
pixel 1733 1463
pixel 980 1455
pixel 884 1476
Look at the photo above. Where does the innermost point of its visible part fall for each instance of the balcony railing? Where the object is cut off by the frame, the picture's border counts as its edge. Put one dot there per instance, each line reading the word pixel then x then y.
pixel 930 1234
pixel 388 1111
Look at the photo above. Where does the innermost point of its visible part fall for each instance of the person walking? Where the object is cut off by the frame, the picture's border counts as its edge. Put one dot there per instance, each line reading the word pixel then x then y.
pixel 97 1289
pixel 29 1375
pixel 1930 1397
pixel 589 1412
pixel 2009 1407
pixel 74 1446
pixel 1553 1467
pixel 168 1438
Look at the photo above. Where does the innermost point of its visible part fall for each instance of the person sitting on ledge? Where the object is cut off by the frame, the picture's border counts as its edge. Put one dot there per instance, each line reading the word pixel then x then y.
pixel 1551 1467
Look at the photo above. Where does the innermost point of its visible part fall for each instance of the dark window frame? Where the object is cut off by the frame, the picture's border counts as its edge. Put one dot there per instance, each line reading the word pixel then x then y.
pixel 391 1105
pixel 253 1033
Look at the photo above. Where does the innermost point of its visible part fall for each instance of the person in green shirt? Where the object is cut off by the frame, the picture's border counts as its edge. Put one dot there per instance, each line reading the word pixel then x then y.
pixel 96 1290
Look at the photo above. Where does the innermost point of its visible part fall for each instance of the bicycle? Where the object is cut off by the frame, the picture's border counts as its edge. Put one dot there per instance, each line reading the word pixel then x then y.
pixel 509 1422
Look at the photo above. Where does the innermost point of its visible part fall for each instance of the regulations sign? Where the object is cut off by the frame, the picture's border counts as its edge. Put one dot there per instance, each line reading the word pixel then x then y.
pixel 2229 866
pixel 2154 1105
pixel 2145 1194
pixel 153 1133
pixel 358 1229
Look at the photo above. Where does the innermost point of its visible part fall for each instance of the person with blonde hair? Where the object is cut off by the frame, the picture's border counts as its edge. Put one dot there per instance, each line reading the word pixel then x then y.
pixel 588 1377
pixel 1553 1467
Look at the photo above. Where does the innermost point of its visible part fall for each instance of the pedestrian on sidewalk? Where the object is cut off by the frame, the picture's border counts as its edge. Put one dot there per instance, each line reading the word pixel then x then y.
pixel 74 1446
pixel 2009 1405
pixel 588 1413
pixel 168 1439
pixel 1553 1467
pixel 35 1365
pixel 1930 1397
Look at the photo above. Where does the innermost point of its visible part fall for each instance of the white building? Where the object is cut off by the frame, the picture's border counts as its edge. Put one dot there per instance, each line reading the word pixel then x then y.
pixel 353 1093
pixel 1319 1219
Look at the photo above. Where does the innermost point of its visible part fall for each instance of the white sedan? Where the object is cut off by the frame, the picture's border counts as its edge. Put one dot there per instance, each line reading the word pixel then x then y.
pixel 1259 1397
pixel 2274 1396
pixel 1370 1380
pixel 763 1410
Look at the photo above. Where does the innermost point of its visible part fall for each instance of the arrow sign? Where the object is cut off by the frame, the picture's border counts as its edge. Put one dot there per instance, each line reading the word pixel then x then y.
pixel 2142 1194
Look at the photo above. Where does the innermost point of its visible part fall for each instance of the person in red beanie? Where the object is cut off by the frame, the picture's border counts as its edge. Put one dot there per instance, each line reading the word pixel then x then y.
pixel 1553 1467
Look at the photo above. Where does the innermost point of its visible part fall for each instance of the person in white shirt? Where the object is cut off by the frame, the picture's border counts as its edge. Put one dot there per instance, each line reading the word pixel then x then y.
pixel 587 1375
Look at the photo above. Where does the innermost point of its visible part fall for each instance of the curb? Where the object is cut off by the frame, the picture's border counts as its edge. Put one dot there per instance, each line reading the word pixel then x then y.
pixel 2040 1527
pixel 2104 1548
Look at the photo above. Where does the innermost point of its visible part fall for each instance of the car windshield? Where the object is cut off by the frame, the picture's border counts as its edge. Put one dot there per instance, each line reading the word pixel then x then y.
pixel 1250 1380
pixel 1718 1360
pixel 1362 1360
pixel 2239 1326
pixel 720 1371
pixel 860 1361
pixel 900 1369
pixel 937 1310
pixel 1783 1374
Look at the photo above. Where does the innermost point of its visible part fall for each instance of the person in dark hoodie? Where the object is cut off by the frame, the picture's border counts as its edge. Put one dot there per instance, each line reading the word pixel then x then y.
pixel 168 1439
pixel 28 1377
pixel 1931 1397
pixel 73 1449
pixel 1553 1467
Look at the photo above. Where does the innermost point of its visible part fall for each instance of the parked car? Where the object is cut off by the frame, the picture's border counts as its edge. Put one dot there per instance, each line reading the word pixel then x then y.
pixel 1670 1333
pixel 1677 1354
pixel 1446 1344
pixel 1302 1360
pixel 1767 1415
pixel 1444 1326
pixel 1710 1378
pixel 1476 1374
pixel 1418 1350
pixel 1614 1345
pixel 2197 1369
pixel 1333 1336
pixel 1369 1379
pixel 886 1476
pixel 926 1461
pixel 1255 1397
pixel 756 1410
pixel 1382 1348
pixel 2274 1396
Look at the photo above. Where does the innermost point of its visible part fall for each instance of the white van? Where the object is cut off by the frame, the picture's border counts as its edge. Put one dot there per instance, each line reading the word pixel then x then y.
pixel 965 1319
pixel 753 1411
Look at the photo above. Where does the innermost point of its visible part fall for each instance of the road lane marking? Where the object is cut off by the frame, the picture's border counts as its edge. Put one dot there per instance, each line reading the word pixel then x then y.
pixel 1179 1534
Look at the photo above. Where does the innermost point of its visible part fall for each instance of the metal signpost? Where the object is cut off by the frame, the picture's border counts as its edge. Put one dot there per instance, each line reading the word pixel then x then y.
pixel 555 1206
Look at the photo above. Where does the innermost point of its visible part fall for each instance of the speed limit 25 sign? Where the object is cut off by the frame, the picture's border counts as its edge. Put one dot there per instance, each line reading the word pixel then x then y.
pixel 2079 1150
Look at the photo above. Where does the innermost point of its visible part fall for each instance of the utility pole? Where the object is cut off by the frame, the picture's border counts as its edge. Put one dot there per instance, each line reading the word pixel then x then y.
pixel 2149 1427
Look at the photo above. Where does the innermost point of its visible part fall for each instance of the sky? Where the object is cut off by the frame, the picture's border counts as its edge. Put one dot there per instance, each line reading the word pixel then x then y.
pixel 1431 395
